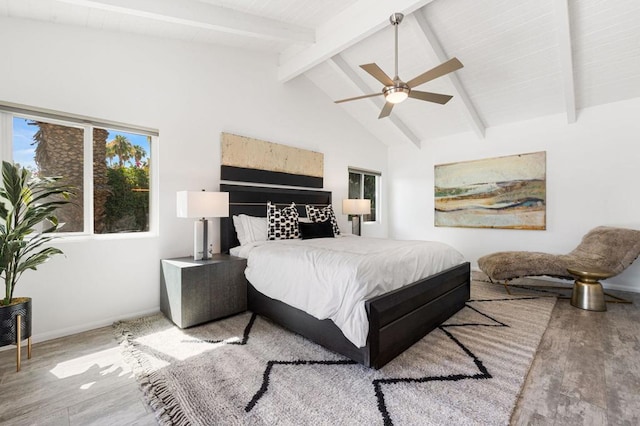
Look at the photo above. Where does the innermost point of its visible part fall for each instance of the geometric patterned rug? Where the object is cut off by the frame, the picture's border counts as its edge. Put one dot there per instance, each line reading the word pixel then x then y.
pixel 246 370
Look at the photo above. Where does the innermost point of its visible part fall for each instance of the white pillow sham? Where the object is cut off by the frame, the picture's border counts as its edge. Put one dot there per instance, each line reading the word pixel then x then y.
pixel 240 232
pixel 250 228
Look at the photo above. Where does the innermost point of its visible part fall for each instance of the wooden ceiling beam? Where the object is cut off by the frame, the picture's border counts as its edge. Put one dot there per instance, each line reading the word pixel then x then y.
pixel 206 16
pixel 471 114
pixel 354 24
pixel 566 59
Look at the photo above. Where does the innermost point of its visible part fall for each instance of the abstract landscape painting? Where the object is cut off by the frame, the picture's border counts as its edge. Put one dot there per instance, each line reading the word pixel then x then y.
pixel 503 192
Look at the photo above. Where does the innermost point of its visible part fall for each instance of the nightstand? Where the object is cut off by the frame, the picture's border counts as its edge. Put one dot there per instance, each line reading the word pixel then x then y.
pixel 197 291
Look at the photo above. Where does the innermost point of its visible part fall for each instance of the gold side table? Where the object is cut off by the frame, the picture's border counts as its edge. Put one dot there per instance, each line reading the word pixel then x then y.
pixel 587 290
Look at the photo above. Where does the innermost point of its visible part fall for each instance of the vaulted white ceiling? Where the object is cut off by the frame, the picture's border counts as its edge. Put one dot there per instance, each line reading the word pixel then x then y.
pixel 522 59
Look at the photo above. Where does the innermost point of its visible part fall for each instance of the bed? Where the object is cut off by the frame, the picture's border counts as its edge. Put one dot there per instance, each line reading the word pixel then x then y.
pixel 396 320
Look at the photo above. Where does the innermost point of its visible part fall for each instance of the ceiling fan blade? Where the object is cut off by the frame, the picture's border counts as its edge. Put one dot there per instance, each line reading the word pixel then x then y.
pixel 378 74
pixel 431 97
pixel 442 69
pixel 357 97
pixel 386 110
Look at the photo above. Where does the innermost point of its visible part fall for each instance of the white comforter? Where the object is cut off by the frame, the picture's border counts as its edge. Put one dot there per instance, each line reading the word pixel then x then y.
pixel 332 277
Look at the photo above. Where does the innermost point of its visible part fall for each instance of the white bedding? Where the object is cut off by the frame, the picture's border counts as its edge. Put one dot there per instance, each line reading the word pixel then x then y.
pixel 332 277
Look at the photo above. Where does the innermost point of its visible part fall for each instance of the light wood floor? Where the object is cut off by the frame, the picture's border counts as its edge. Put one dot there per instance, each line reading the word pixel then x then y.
pixel 587 368
pixel 586 371
pixel 76 380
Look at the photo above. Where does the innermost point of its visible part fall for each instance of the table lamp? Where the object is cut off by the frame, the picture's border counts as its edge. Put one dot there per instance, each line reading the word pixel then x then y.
pixel 356 207
pixel 202 204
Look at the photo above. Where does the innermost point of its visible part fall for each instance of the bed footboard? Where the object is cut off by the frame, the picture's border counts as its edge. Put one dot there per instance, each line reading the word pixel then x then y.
pixel 397 319
pixel 322 332
pixel 402 317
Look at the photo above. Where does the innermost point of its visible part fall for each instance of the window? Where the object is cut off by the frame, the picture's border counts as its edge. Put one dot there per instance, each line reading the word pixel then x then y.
pixel 365 184
pixel 49 149
pixel 121 196
pixel 108 167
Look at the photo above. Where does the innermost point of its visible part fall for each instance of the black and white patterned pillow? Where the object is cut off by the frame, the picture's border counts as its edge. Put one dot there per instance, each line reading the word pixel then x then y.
pixel 282 224
pixel 317 214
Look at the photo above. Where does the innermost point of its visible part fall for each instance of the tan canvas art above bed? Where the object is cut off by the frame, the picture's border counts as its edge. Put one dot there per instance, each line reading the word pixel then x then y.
pixel 253 160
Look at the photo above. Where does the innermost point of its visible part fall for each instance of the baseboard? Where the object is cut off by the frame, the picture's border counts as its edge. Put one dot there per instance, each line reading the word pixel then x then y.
pixel 43 337
pixel 611 286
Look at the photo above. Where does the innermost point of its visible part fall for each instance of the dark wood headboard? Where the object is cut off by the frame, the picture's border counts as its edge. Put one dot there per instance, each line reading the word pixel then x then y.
pixel 252 200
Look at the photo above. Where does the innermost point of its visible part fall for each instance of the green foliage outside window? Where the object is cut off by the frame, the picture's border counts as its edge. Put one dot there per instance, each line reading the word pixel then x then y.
pixel 369 191
pixel 127 207
pixel 363 185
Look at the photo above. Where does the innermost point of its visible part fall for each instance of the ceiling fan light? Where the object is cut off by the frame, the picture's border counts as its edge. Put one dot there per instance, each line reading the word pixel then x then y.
pixel 395 95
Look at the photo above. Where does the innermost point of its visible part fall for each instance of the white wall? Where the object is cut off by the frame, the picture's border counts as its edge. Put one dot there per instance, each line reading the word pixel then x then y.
pixel 191 93
pixel 592 179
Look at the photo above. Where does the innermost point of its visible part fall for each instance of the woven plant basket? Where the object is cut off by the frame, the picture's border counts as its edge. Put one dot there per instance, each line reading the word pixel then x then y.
pixel 8 314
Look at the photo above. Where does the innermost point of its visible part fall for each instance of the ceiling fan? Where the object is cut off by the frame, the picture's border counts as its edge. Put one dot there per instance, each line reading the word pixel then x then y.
pixel 396 90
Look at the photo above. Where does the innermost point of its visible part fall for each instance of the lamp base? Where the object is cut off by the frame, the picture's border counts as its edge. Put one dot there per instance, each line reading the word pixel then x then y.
pixel 199 238
pixel 355 225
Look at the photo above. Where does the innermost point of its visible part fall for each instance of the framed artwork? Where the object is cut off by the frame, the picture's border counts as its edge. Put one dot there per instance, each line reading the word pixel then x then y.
pixel 502 192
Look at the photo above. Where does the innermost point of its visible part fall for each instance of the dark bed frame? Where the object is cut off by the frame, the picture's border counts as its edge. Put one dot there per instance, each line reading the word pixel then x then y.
pixel 397 319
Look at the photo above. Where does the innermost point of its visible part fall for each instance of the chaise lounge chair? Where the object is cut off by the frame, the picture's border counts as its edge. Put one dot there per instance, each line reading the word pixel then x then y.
pixel 603 248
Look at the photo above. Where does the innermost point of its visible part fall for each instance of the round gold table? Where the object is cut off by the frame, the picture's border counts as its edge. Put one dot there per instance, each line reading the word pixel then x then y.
pixel 587 290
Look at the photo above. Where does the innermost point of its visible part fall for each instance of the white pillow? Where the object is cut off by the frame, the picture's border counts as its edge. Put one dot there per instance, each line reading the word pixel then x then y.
pixel 250 228
pixel 254 227
pixel 240 231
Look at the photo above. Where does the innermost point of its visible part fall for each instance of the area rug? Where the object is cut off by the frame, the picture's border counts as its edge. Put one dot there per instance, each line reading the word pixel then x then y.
pixel 246 370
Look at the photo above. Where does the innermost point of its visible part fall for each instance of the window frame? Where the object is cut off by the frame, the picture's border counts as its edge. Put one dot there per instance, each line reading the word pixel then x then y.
pixel 378 193
pixel 9 111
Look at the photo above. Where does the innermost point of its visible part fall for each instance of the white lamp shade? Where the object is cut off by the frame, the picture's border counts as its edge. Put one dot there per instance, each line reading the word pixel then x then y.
pixel 203 204
pixel 356 206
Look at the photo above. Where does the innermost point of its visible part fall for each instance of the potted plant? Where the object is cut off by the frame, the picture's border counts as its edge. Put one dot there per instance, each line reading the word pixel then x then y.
pixel 27 203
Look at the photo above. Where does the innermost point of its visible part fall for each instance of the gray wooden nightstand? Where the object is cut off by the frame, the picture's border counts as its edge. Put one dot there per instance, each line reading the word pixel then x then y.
pixel 197 291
